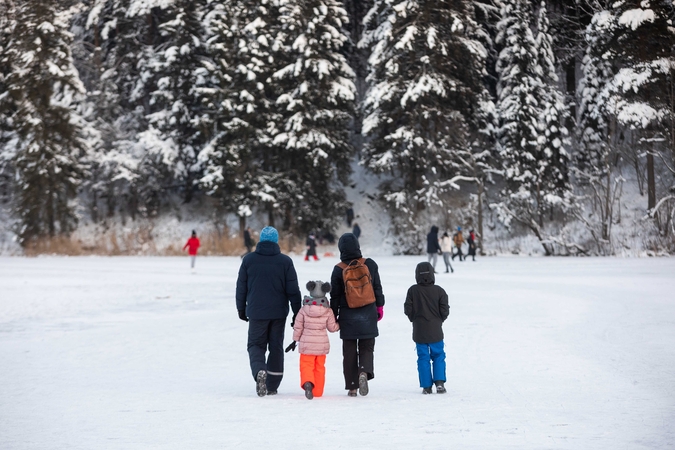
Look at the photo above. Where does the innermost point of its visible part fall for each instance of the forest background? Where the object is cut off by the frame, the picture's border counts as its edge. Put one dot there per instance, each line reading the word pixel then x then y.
pixel 548 126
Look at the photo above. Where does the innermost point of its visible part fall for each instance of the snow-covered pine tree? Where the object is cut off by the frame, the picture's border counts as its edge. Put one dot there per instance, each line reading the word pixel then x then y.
pixel 593 162
pixel 117 45
pixel 318 104
pixel 555 137
pixel 358 61
pixel 593 122
pixel 44 85
pixel 7 23
pixel 245 40
pixel 476 162
pixel 535 184
pixel 180 99
pixel 643 45
pixel 425 82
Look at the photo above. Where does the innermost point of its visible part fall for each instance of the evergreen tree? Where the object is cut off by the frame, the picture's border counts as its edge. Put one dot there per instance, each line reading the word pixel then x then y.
pixel 593 123
pixel 7 23
pixel 45 86
pixel 121 35
pixel 643 90
pixel 317 105
pixel 555 137
pixel 179 101
pixel 246 43
pixel 425 84
pixel 593 162
pixel 532 159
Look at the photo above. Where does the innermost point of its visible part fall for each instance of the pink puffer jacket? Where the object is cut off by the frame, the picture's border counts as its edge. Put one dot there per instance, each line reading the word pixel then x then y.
pixel 310 329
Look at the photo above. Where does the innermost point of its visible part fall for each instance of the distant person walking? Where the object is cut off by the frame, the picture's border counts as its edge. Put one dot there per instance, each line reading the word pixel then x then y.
pixel 433 248
pixel 356 231
pixel 472 245
pixel 311 247
pixel 458 240
pixel 249 243
pixel 446 248
pixel 193 246
pixel 357 306
pixel 426 305
pixel 350 216
pixel 267 284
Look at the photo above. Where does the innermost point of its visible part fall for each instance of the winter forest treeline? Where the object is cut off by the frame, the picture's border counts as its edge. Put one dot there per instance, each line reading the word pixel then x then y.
pixel 536 111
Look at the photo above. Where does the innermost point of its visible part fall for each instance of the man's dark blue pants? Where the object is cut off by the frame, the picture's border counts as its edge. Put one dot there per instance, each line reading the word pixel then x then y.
pixel 264 335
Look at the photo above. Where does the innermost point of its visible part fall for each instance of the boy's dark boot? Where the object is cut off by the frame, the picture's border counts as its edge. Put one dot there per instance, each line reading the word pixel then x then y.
pixel 352 393
pixel 426 391
pixel 308 386
pixel 440 387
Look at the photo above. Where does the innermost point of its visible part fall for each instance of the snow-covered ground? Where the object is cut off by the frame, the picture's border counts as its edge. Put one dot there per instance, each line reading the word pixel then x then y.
pixel 138 353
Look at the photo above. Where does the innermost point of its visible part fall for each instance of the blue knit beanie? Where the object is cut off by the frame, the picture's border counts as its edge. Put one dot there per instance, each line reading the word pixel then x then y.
pixel 269 234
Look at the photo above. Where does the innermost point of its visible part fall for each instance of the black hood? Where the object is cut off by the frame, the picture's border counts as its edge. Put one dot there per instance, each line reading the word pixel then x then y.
pixel 434 229
pixel 424 274
pixel 267 248
pixel 349 247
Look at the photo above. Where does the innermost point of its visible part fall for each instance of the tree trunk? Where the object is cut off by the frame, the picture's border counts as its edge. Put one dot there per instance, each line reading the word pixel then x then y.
pixel 242 226
pixel 540 212
pixel 481 190
pixel 651 183
pixel 607 210
pixel 188 189
pixel 270 217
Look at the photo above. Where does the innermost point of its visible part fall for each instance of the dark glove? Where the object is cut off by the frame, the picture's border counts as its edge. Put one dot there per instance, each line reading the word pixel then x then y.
pixel 290 347
pixel 242 315
pixel 293 320
pixel 440 252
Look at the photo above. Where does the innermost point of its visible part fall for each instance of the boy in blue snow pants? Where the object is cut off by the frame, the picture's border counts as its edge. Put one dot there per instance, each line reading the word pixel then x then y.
pixel 426 305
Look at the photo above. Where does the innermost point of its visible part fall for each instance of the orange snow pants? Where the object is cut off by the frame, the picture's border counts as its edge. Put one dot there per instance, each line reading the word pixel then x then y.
pixel 313 369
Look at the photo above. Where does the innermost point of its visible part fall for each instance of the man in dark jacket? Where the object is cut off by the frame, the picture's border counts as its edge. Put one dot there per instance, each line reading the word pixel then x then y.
pixel 433 247
pixel 358 326
pixel 266 285
pixel 426 305
pixel 248 241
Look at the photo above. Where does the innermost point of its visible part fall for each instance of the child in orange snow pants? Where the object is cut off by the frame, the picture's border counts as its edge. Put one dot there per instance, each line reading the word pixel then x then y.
pixel 310 328
pixel 313 370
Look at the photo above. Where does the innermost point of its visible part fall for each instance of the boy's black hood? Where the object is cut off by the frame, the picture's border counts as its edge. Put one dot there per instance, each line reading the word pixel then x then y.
pixel 349 247
pixel 434 229
pixel 424 274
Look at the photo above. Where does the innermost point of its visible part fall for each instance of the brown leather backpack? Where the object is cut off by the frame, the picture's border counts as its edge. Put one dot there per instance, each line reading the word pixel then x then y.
pixel 358 283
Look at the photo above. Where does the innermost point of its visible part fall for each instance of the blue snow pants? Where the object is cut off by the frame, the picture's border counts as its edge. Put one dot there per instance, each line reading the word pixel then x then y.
pixel 426 353
pixel 264 335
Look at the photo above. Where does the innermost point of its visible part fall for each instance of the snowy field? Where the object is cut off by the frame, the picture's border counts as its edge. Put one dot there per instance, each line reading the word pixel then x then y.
pixel 138 353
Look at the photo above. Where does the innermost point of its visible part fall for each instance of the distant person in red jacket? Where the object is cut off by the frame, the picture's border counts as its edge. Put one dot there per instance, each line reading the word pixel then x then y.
pixel 192 245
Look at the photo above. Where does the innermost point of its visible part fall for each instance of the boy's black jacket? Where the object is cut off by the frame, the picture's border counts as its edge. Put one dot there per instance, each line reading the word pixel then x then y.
pixel 426 305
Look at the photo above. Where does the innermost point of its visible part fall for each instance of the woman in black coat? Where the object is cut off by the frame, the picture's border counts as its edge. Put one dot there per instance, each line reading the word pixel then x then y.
pixel 358 326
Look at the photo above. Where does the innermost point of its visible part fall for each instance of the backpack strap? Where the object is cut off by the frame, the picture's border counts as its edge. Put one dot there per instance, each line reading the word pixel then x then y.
pixel 343 265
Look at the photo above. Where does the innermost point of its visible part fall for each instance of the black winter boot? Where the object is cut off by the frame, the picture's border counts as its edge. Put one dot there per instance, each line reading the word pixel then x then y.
pixel 363 383
pixel 426 391
pixel 261 383
pixel 308 386
pixel 440 387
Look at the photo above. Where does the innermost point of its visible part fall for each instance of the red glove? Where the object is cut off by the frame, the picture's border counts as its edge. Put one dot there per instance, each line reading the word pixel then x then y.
pixel 380 313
